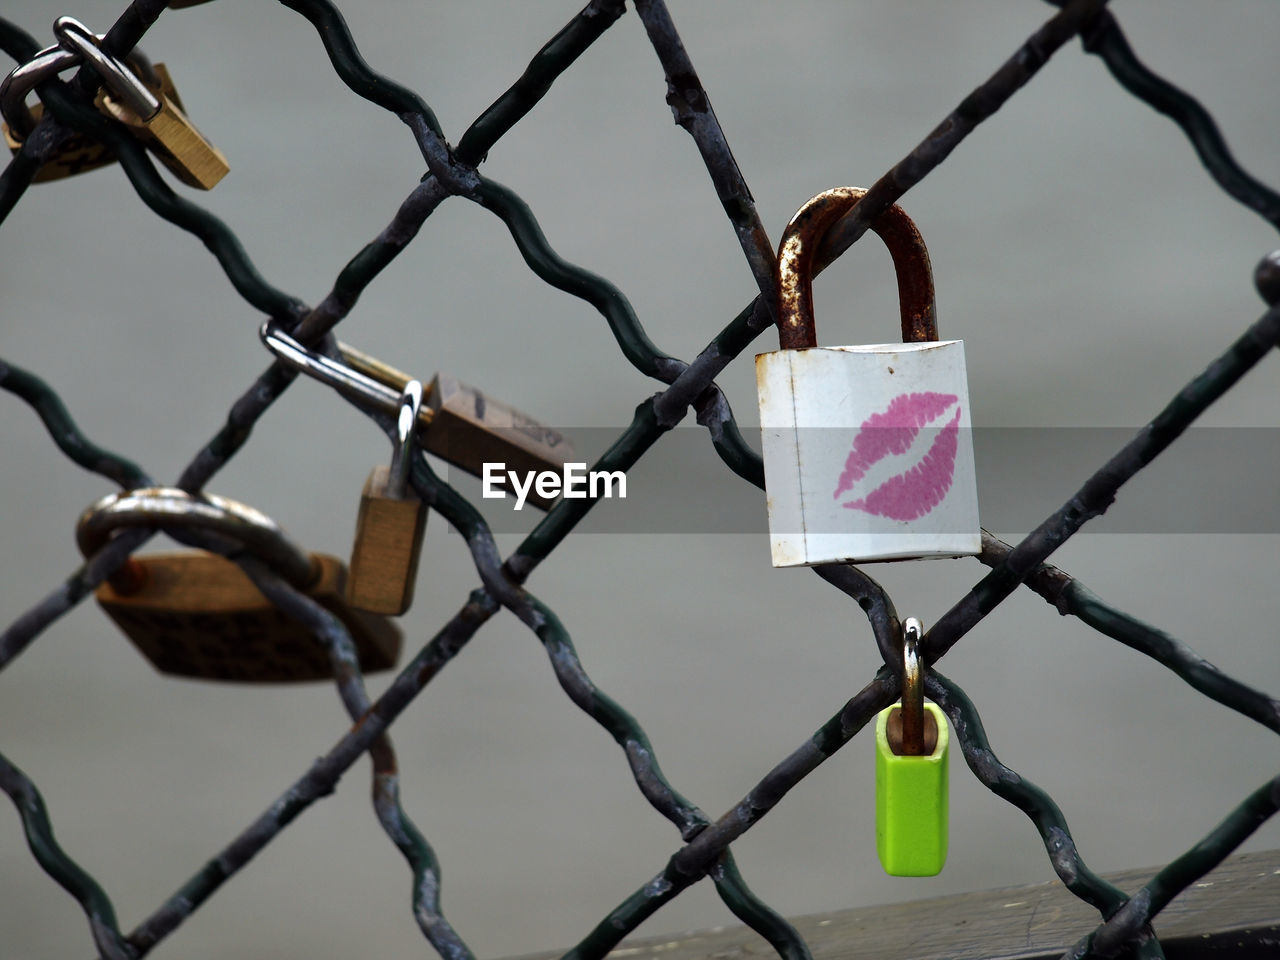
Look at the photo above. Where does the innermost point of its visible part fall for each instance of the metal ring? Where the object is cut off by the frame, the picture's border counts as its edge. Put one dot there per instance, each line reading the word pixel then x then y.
pixel 51 61
pixel 169 506
pixel 342 378
pixel 402 456
pixel 912 689
pixel 76 37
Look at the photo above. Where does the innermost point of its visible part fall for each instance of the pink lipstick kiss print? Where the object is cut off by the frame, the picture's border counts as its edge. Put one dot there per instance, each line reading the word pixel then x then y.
pixel 915 491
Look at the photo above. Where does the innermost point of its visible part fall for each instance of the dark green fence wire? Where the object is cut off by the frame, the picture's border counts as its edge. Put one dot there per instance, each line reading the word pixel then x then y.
pixel 451 171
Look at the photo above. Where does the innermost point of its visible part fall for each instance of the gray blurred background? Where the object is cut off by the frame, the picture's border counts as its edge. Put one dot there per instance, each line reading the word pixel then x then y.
pixel 1081 252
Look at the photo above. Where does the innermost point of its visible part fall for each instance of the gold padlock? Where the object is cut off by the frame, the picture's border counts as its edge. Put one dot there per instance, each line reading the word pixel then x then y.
pixel 390 525
pixel 469 428
pixel 197 614
pixel 171 136
pixel 458 423
pixel 154 112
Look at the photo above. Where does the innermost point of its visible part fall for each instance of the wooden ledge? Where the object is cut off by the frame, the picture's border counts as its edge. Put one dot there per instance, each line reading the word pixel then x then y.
pixel 1232 913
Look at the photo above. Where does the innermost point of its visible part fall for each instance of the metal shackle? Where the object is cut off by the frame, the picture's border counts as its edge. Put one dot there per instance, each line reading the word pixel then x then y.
pixel 349 382
pixel 78 45
pixel 20 81
pixel 799 247
pixel 913 744
pixel 172 507
pixel 406 425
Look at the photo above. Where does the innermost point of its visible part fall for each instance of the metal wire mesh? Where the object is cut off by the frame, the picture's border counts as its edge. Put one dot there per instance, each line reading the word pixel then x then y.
pixel 455 171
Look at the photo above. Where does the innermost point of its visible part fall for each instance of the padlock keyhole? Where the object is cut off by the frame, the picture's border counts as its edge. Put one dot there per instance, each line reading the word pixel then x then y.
pixel 893 732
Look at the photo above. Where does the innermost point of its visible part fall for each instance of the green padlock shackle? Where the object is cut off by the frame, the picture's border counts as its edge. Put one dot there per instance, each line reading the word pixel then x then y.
pixel 170 507
pixel 799 246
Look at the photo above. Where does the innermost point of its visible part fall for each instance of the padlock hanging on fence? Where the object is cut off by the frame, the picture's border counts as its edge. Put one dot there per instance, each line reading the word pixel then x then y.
pixel 868 450
pixel 391 524
pixel 912 779
pixel 197 614
pixel 146 102
pixel 457 423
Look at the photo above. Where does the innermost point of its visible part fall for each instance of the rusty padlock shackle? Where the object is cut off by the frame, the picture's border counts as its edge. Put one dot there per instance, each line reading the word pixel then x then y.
pixel 912 689
pixel 799 247
pixel 172 507
pixel 77 45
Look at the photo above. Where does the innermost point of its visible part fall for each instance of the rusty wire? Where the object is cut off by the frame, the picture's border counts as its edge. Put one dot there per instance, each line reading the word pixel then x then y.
pixel 452 171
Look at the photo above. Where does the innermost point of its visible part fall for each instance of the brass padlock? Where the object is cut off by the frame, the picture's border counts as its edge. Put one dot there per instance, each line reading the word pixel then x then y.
pixel 171 136
pixel 390 525
pixel 458 422
pixel 156 118
pixel 469 428
pixel 149 104
pixel 197 614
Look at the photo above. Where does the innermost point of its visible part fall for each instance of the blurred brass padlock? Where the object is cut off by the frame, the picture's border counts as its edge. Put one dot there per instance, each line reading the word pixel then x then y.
pixel 199 615
pixel 390 525
pixel 458 423
pixel 79 154
pixel 148 104
pixel 469 428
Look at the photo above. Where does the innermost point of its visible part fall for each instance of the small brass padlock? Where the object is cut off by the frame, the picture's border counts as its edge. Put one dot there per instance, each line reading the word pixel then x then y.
pixel 469 428
pixel 912 744
pixel 197 614
pixel 390 525
pixel 458 423
pixel 158 120
pixel 170 135
pixel 149 106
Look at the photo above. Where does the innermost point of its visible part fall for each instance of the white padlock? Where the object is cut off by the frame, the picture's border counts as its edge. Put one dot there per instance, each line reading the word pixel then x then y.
pixel 868 450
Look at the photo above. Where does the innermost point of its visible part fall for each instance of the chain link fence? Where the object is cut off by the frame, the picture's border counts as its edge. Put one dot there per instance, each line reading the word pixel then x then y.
pixel 456 170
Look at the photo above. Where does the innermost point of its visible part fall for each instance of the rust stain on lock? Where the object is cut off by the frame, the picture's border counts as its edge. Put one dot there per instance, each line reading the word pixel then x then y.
pixel 786 555
pixel 893 733
pixel 762 387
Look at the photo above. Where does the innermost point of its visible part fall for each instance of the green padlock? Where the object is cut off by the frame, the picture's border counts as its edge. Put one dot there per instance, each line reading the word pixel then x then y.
pixel 912 741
